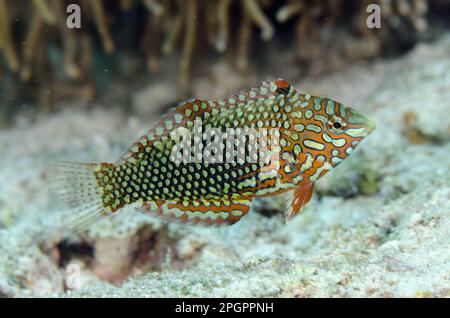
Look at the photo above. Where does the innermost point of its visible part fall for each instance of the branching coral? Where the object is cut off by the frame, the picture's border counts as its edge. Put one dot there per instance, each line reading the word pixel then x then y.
pixel 223 25
pixel 102 25
pixel 189 29
pixel 188 43
pixel 256 14
pixel 413 11
pixel 31 46
pixel 70 44
pixel 316 17
pixel 289 10
pixel 245 34
pixel 6 39
pixel 45 11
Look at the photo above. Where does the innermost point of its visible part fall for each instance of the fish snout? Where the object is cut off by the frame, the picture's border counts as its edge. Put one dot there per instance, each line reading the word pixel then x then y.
pixel 365 125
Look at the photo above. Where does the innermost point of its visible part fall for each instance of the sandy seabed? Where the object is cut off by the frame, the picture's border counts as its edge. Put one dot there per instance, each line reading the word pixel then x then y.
pixel 379 225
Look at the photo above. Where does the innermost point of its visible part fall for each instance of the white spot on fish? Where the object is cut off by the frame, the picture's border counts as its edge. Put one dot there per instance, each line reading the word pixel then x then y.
pixel 338 142
pixel 299 127
pixel 313 144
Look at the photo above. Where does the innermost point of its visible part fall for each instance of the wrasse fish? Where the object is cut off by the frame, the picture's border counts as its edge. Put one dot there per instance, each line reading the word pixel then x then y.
pixel 306 135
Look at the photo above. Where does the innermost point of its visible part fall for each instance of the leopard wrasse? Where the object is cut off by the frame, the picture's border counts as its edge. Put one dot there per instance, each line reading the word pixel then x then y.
pixel 295 139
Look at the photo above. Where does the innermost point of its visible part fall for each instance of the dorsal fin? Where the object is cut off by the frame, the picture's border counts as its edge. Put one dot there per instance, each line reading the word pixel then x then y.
pixel 263 90
pixel 208 111
pixel 179 116
pixel 297 199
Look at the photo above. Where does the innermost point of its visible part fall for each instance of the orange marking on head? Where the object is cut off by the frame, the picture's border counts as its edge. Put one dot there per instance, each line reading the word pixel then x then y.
pixel 281 83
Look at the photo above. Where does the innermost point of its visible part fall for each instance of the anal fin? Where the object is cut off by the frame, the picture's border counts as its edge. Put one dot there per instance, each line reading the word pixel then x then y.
pixel 297 199
pixel 220 212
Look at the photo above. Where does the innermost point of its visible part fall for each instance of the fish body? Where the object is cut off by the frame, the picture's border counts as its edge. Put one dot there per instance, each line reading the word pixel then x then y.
pixel 205 161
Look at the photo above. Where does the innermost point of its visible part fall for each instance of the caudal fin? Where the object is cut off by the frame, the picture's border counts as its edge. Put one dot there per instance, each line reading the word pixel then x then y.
pixel 78 193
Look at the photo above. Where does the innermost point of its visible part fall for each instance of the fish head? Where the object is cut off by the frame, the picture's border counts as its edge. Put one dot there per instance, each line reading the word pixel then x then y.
pixel 343 130
pixel 322 132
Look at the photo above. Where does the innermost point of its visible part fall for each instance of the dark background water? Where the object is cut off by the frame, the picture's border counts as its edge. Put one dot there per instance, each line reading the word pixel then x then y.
pixel 126 44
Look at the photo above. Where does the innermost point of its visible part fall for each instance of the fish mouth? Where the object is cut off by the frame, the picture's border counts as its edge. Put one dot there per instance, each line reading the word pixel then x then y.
pixel 359 119
pixel 369 126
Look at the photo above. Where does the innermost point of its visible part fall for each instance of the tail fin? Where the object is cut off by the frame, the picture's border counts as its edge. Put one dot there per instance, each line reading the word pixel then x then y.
pixel 76 187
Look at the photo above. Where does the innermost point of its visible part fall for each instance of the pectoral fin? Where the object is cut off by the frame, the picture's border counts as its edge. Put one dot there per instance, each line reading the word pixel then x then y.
pixel 297 199
pixel 204 212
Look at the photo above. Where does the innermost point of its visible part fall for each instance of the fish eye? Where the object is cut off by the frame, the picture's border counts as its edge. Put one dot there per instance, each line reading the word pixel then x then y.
pixel 337 125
